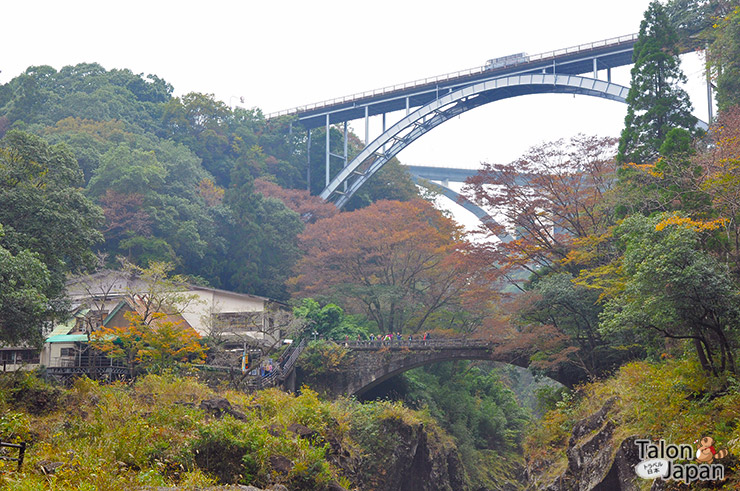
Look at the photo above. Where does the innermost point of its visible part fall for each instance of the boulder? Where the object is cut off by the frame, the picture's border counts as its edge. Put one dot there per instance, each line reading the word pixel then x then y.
pixel 49 467
pixel 302 430
pixel 218 406
pixel 275 430
pixel 335 486
pixel 415 463
pixel 280 464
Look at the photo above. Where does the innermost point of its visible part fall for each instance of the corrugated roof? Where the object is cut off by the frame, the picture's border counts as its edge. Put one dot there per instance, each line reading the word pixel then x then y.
pixel 61 329
pixel 67 338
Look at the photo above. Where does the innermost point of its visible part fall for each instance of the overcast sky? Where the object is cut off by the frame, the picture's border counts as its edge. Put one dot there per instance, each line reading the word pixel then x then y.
pixel 281 54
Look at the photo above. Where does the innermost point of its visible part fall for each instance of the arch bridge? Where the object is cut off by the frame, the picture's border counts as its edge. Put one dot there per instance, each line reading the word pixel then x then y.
pixel 445 175
pixel 432 101
pixel 374 362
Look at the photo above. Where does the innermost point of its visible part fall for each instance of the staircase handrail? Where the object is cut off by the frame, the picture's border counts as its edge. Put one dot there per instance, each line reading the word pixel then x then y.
pixel 288 365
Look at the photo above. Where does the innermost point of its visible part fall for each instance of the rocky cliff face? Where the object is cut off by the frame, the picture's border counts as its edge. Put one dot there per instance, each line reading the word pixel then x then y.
pixel 596 460
pixel 387 450
pixel 410 458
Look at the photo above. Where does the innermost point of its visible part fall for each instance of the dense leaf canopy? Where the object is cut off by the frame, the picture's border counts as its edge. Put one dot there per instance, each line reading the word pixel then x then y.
pixel 173 175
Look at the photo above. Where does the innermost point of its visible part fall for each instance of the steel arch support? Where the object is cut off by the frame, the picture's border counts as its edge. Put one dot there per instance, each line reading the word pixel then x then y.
pixel 487 220
pixel 427 117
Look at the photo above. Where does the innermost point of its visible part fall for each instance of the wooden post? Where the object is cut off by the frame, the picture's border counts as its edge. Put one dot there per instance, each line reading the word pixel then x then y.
pixel 21 454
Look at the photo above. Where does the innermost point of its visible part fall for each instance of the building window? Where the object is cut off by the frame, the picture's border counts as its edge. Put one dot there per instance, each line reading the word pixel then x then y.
pixel 16 357
pixel 30 356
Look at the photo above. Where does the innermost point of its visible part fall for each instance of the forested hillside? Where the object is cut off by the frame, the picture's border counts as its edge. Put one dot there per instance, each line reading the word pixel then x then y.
pixel 173 177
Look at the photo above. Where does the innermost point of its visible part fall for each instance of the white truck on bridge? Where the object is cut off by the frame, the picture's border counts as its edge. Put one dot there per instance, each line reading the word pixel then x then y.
pixel 509 60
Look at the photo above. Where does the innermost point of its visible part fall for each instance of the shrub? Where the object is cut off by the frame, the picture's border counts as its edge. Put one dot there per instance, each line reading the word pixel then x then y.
pixel 224 451
pixel 26 391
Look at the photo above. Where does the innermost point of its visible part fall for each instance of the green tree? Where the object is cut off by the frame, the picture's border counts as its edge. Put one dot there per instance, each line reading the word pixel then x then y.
pixel 724 59
pixel 483 416
pixel 201 122
pixel 656 102
pixel 681 186
pixel 42 207
pixel 24 304
pixel 88 139
pixel 44 96
pixel 675 181
pixel 262 236
pixel 674 290
pixel 328 321
pixel 692 19
pixel 128 171
pixel 279 229
pixel 572 310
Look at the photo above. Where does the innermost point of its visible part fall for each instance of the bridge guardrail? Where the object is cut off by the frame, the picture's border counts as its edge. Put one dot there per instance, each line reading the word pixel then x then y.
pixel 287 365
pixel 418 343
pixel 452 75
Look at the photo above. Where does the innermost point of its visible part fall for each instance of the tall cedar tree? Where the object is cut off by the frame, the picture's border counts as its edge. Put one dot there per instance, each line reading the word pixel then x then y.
pixel 656 102
pixel 723 59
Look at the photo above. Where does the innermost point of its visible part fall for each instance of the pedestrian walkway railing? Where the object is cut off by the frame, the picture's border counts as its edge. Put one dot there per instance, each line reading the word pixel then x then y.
pixel 437 343
pixel 289 358
pixel 85 361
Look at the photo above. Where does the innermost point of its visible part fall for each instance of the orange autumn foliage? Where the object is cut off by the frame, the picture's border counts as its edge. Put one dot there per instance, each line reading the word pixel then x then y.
pixel 554 195
pixel 155 346
pixel 400 263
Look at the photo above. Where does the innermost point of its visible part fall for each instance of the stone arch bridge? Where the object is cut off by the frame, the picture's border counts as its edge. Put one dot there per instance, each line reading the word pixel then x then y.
pixel 374 362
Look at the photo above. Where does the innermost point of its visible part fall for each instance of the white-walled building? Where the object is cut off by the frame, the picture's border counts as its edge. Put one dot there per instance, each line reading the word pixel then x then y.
pixel 206 310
